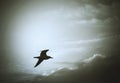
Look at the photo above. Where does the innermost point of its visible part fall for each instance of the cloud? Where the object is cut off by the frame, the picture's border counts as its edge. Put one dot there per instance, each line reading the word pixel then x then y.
pixel 83 41
pixel 89 41
pixel 94 57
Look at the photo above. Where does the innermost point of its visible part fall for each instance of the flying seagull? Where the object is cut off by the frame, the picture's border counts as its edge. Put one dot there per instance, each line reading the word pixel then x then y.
pixel 43 56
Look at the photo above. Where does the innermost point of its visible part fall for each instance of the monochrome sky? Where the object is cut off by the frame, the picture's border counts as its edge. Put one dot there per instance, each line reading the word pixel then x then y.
pixel 82 35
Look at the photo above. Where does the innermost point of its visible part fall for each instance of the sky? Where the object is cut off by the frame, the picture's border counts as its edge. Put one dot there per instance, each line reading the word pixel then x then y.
pixel 82 37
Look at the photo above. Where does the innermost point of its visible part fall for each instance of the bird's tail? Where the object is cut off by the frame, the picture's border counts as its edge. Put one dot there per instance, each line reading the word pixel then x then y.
pixel 36 57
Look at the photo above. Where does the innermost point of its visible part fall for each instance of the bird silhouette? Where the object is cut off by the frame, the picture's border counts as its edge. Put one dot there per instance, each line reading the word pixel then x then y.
pixel 43 56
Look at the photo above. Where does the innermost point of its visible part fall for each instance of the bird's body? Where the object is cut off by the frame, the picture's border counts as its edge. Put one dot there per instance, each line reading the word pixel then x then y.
pixel 43 56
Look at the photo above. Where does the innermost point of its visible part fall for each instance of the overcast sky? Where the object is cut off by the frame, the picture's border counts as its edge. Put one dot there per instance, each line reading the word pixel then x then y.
pixel 83 36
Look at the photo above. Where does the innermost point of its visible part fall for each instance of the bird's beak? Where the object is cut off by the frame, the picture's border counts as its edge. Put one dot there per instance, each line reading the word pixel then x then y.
pixel 51 57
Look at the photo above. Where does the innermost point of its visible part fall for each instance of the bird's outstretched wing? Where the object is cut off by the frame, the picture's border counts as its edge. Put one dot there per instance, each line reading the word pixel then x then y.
pixel 39 61
pixel 43 53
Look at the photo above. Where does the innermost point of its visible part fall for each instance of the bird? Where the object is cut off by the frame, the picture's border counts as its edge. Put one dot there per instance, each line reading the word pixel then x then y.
pixel 43 56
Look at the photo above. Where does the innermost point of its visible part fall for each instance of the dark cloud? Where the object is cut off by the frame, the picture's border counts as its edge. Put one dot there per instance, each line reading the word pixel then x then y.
pixel 105 70
pixel 96 2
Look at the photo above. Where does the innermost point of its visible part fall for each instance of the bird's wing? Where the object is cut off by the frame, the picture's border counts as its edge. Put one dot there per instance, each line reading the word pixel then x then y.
pixel 43 53
pixel 39 61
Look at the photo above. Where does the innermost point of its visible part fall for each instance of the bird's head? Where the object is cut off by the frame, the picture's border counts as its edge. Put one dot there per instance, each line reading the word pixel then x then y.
pixel 50 57
pixel 45 50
